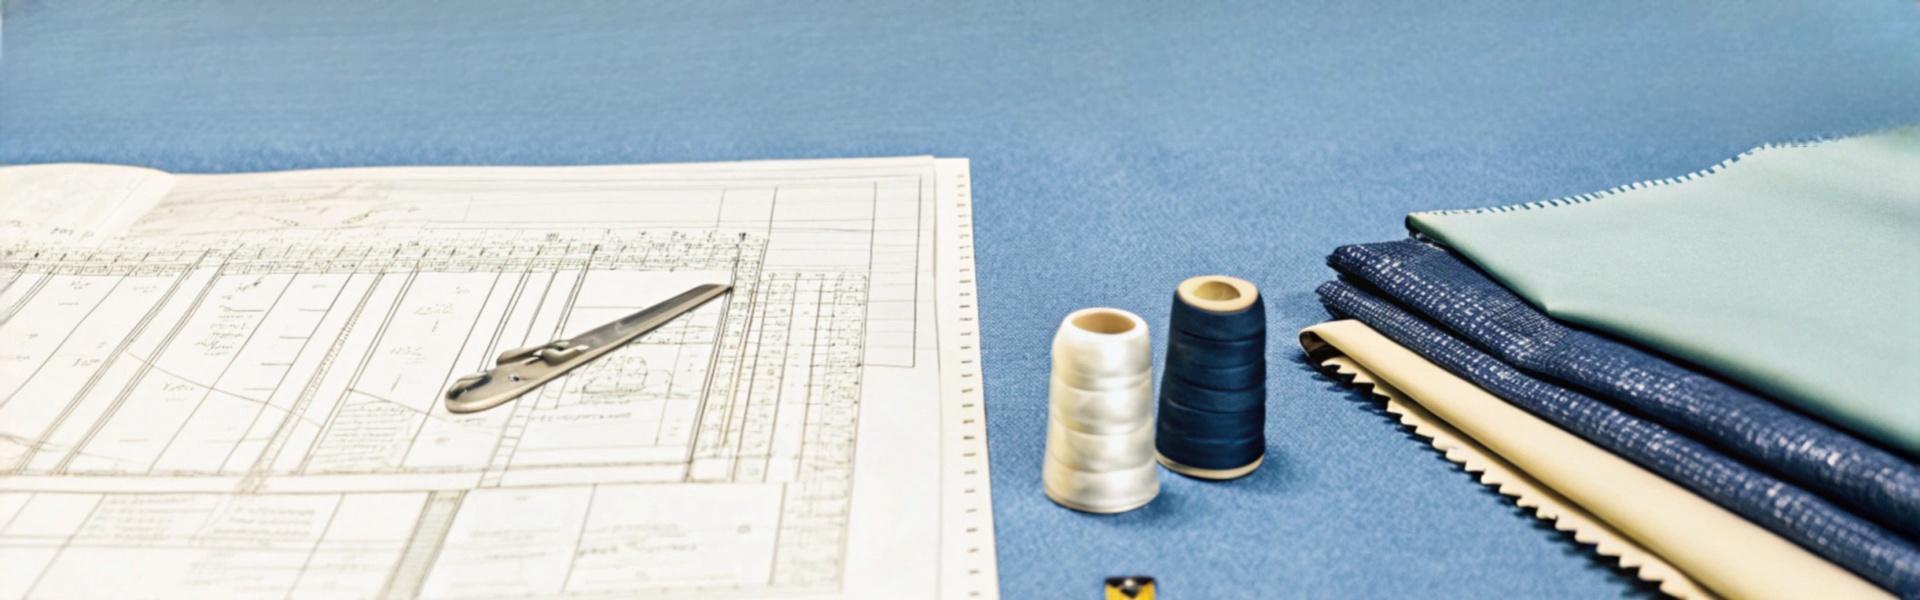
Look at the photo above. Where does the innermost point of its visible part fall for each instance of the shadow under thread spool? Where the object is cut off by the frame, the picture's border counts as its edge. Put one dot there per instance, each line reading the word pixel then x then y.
pixel 1100 455
pixel 1213 393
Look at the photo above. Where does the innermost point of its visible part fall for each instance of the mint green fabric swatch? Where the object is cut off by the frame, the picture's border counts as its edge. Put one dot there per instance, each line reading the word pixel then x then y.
pixel 1794 270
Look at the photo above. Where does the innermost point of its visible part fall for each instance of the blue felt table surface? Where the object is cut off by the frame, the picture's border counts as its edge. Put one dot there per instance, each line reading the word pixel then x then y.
pixel 1117 148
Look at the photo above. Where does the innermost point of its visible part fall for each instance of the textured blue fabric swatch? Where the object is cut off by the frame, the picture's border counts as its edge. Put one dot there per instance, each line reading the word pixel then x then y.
pixel 1117 147
pixel 1445 288
pixel 1854 543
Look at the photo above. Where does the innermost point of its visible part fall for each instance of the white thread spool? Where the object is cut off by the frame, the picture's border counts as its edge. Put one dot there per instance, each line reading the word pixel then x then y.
pixel 1100 456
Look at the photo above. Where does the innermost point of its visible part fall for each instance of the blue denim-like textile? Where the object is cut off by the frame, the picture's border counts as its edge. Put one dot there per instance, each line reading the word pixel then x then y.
pixel 1118 148
pixel 1827 530
pixel 1445 288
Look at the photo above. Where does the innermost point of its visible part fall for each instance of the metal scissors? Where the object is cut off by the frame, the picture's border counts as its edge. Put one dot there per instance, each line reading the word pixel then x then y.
pixel 520 370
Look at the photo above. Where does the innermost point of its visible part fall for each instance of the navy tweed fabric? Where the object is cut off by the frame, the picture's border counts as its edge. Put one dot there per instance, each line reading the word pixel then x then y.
pixel 1117 147
pixel 1827 530
pixel 1449 290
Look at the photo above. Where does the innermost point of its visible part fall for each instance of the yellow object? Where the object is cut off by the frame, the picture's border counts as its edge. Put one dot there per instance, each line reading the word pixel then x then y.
pixel 1129 588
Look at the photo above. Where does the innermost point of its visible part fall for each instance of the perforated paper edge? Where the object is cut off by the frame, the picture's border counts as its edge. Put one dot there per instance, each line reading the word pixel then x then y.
pixel 969 565
pixel 1508 480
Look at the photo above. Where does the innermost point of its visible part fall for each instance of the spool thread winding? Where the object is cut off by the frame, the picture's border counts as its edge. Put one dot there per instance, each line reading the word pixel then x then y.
pixel 1100 452
pixel 1212 416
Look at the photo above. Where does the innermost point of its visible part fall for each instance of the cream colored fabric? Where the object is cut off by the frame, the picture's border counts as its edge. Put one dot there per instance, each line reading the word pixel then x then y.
pixel 1526 492
pixel 1717 549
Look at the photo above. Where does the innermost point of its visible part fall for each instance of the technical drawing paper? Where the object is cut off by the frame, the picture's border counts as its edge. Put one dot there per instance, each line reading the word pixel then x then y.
pixel 75 203
pixel 240 398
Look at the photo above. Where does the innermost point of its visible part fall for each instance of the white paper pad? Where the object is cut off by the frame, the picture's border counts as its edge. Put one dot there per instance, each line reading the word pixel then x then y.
pixel 237 394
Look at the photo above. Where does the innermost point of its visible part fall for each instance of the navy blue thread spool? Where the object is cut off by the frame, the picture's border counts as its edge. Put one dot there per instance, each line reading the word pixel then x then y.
pixel 1213 392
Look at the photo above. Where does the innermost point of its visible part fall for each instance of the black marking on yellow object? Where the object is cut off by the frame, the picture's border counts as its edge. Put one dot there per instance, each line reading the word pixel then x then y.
pixel 1130 588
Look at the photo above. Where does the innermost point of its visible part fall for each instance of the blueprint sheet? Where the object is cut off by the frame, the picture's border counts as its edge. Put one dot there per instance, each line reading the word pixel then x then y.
pixel 229 386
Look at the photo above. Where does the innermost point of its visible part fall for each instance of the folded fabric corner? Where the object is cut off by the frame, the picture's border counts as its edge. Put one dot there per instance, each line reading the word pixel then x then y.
pixel 1649 520
pixel 1816 524
pixel 1792 270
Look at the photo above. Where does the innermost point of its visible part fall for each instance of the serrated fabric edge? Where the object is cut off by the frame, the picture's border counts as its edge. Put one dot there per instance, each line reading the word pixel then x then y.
pixel 1527 493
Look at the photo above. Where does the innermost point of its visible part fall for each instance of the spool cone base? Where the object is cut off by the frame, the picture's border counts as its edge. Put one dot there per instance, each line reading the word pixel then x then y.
pixel 1098 510
pixel 1214 474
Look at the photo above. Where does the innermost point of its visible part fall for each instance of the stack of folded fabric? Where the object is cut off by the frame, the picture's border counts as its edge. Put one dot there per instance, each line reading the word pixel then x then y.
pixel 1741 343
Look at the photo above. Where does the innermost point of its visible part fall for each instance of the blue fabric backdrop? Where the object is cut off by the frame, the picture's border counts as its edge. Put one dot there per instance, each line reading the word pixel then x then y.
pixel 1117 149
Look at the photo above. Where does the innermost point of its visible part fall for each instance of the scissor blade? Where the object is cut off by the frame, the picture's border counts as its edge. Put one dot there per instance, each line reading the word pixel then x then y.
pixel 649 318
pixel 520 371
